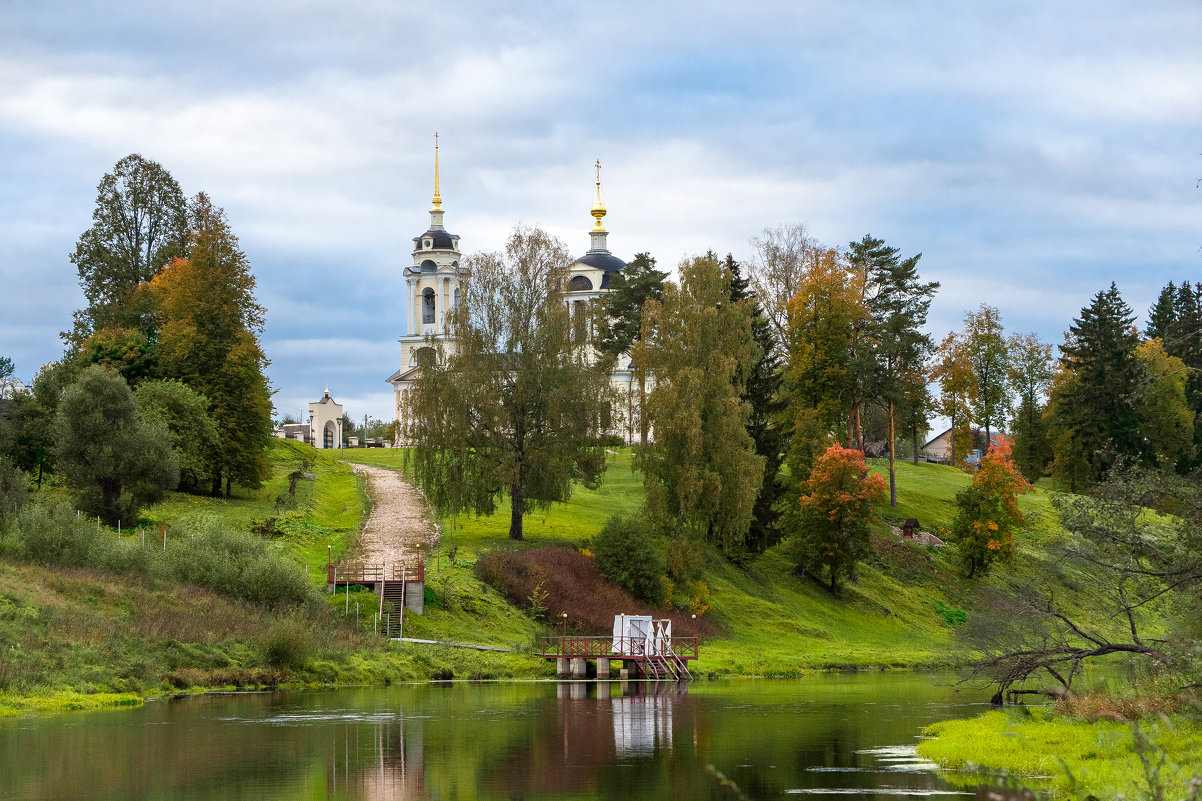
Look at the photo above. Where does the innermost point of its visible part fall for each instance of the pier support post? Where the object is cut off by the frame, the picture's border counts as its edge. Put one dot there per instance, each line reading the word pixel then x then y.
pixel 579 667
pixel 561 666
pixel 602 667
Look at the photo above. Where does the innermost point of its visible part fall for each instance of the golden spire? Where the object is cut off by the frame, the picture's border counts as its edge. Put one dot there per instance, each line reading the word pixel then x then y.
pixel 598 210
pixel 437 196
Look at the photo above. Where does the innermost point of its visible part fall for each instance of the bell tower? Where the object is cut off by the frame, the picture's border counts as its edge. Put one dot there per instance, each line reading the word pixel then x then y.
pixel 432 286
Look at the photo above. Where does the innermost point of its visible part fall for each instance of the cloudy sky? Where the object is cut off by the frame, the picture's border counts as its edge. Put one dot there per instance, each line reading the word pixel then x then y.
pixel 1033 152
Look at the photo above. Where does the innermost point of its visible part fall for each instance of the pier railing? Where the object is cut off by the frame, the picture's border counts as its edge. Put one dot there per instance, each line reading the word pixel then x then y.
pixel 356 573
pixel 592 647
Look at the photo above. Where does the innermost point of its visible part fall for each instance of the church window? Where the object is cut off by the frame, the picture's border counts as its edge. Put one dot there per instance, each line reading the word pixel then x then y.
pixel 580 283
pixel 427 305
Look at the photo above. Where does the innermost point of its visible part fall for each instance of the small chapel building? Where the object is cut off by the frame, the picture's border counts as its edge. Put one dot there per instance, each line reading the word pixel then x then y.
pixel 325 422
pixel 432 288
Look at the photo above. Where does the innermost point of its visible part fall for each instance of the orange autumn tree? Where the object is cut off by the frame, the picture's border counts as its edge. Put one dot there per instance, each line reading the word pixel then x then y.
pixel 836 513
pixel 988 511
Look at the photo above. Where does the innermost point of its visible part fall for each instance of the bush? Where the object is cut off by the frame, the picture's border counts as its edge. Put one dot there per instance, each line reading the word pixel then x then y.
pixel 228 562
pixel 54 535
pixel 12 491
pixel 289 644
pixel 572 584
pixel 235 564
pixel 629 557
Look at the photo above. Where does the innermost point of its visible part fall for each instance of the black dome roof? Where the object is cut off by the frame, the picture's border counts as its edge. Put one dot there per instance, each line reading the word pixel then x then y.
pixel 442 240
pixel 602 261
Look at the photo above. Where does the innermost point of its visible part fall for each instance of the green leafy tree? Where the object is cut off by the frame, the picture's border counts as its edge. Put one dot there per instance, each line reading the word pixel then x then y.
pixel 952 371
pixel 114 459
pixel 1176 320
pixel 1096 417
pixel 139 224
pixel 620 318
pixel 987 512
pixel 631 557
pixel 515 409
pixel 1030 376
pixel 701 471
pixel 186 416
pixel 987 352
pixel 209 339
pixel 1168 421
pixel 836 514
pixel 31 426
pixel 822 319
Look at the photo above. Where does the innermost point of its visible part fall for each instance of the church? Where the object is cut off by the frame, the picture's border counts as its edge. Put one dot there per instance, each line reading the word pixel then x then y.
pixel 432 286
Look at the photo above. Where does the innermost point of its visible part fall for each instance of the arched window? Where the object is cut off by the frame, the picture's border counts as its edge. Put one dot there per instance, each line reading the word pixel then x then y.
pixel 580 283
pixel 328 439
pixel 428 266
pixel 424 356
pixel 427 305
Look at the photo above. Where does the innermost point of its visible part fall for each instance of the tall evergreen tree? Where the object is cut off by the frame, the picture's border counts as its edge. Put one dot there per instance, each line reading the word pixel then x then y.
pixel 620 318
pixel 139 224
pixel 761 393
pixel 1096 413
pixel 899 348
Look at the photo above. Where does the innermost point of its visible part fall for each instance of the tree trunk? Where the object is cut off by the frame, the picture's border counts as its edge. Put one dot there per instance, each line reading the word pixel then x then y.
pixel 915 435
pixel 953 435
pixel 642 409
pixel 892 476
pixel 516 509
pixel 855 435
pixel 40 475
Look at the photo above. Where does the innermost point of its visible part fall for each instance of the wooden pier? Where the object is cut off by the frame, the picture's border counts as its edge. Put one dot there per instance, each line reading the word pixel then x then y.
pixel 664 659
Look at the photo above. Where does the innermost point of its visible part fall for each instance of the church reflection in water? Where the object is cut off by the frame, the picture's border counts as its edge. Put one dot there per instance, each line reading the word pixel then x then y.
pixel 561 743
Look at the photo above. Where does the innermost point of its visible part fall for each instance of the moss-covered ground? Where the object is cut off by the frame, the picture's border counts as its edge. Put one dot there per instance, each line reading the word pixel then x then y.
pixel 1071 758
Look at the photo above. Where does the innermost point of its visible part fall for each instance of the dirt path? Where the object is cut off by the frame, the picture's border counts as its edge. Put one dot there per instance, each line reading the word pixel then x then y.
pixel 399 530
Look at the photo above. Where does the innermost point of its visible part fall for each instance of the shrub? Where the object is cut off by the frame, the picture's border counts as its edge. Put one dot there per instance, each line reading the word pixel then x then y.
pixel 54 535
pixel 12 491
pixel 572 584
pixel 629 557
pixel 235 564
pixel 289 644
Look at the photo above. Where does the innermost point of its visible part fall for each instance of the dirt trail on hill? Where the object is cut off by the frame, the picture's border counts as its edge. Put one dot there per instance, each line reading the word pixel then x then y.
pixel 399 530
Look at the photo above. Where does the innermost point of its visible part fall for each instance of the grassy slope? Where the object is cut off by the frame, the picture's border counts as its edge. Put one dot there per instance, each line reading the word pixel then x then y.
pixel 773 622
pixel 776 624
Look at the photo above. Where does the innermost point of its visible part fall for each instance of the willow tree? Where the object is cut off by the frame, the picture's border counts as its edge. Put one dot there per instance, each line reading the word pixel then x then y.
pixel 514 407
pixel 701 471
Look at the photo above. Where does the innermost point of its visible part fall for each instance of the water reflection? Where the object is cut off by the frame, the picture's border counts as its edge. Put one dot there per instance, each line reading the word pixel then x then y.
pixel 617 740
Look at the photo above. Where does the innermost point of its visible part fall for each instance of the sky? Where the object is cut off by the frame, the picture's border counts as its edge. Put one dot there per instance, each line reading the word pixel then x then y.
pixel 1032 152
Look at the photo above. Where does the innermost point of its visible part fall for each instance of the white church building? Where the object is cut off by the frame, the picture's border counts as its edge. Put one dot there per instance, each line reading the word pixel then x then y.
pixel 432 287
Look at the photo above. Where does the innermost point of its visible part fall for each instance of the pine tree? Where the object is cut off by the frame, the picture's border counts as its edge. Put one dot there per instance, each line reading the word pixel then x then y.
pixel 620 318
pixel 761 393
pixel 1097 415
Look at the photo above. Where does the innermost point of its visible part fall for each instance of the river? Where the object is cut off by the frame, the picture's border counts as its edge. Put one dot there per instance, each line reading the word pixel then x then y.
pixel 822 736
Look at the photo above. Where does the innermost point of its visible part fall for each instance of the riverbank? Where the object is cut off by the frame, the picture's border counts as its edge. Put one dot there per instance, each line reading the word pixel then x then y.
pixel 1071 757
pixel 92 633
